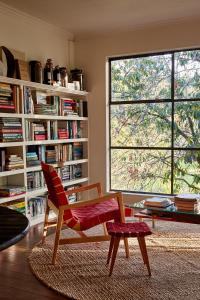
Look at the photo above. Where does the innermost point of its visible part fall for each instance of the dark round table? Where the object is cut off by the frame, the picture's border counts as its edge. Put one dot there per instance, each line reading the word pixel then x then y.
pixel 13 227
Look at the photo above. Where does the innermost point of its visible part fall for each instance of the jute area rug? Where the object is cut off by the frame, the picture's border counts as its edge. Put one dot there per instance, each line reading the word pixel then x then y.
pixel 81 271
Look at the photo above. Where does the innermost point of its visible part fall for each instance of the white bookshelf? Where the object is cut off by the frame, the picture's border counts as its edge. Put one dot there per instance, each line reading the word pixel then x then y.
pixel 19 176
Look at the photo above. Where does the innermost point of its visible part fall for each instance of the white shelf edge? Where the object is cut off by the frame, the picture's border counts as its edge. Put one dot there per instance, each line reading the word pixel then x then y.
pixel 8 199
pixel 51 117
pixel 50 142
pixel 40 86
pixel 10 144
pixel 67 163
pixel 10 115
pixel 14 172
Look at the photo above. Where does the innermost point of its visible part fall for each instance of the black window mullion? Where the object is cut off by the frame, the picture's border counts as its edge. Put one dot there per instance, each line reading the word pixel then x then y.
pixel 172 127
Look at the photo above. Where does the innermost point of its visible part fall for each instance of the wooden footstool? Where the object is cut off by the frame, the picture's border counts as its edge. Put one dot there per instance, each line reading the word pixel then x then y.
pixel 126 230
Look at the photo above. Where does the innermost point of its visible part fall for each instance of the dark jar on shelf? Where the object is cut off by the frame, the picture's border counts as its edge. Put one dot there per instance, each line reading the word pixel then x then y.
pixel 48 72
pixel 77 76
pixel 57 75
pixel 36 71
pixel 64 76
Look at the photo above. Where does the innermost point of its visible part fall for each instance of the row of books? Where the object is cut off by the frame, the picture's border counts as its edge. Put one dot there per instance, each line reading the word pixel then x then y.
pixel 36 206
pixel 53 130
pixel 35 180
pixel 18 205
pixel 53 154
pixel 36 102
pixel 10 129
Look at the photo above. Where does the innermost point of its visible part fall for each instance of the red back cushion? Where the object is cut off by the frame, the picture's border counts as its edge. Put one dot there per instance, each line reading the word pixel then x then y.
pixel 54 185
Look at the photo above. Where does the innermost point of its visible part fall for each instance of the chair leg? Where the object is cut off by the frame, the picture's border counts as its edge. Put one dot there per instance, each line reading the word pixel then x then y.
pixel 126 247
pixel 143 248
pixel 57 237
pixel 110 249
pixel 105 229
pixel 114 254
pixel 45 223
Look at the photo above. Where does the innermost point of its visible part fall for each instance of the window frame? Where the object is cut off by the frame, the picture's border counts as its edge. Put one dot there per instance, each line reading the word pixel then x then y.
pixel 172 101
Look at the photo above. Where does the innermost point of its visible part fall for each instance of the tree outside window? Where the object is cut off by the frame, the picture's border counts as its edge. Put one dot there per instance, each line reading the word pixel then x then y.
pixel 155 123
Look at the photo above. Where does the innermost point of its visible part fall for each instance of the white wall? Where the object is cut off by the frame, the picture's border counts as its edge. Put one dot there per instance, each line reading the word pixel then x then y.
pixel 90 55
pixel 38 39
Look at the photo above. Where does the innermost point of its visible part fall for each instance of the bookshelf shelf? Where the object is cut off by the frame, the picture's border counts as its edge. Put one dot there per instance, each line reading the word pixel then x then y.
pixel 13 198
pixel 67 163
pixel 51 142
pixel 14 172
pixel 49 117
pixel 55 131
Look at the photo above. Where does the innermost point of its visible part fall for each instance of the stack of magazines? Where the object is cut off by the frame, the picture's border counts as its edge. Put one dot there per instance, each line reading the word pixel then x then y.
pixel 157 202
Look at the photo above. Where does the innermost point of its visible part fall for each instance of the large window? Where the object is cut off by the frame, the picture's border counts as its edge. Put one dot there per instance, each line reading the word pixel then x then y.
pixel 154 103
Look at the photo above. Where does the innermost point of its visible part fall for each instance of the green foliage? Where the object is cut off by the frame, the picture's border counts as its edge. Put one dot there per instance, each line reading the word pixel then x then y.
pixel 150 125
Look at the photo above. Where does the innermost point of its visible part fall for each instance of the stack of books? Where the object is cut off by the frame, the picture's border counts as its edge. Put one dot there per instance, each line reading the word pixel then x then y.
pixel 63 133
pixel 38 132
pixel 32 159
pixel 14 162
pixel 6 102
pixel 68 107
pixel 18 205
pixel 45 109
pixel 12 190
pixel 187 202
pixel 10 130
pixel 159 202
pixel 51 155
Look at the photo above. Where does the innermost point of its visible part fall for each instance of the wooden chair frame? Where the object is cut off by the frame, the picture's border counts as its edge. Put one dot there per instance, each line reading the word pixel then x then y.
pixel 83 237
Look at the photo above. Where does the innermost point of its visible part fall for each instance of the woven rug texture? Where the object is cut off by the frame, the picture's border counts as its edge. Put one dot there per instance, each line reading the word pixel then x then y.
pixel 81 272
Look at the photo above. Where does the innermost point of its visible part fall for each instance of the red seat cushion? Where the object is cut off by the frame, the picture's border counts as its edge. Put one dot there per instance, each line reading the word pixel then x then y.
pixel 92 215
pixel 128 229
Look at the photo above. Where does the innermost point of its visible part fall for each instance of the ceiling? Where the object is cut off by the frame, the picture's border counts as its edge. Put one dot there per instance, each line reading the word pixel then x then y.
pixel 86 18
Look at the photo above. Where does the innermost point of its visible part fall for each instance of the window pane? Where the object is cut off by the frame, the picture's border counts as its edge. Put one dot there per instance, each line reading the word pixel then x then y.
pixel 187 171
pixel 141 170
pixel 143 78
pixel 147 125
pixel 187 124
pixel 187 74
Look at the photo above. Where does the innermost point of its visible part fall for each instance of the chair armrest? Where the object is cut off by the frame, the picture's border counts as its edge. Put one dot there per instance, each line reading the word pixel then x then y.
pixel 80 204
pixel 85 188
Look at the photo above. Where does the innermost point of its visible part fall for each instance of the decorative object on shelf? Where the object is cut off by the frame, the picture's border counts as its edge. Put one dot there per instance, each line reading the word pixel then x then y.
pixel 48 72
pixel 7 62
pixel 36 71
pixel 22 70
pixel 56 76
pixel 64 76
pixel 77 78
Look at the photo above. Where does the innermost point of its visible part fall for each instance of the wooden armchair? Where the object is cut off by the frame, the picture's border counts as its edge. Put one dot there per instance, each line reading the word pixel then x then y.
pixel 81 215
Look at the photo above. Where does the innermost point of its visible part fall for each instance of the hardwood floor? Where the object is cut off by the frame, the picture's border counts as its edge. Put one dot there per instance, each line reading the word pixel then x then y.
pixel 16 279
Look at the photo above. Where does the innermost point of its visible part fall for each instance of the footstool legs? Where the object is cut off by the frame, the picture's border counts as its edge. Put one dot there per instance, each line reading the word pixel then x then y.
pixel 127 230
pixel 143 249
pixel 114 253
